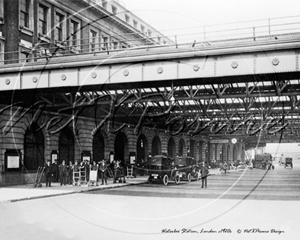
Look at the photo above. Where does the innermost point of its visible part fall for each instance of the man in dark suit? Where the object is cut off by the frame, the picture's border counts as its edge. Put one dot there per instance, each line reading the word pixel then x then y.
pixel 204 173
pixel 48 173
pixel 103 171
pixel 55 171
pixel 63 173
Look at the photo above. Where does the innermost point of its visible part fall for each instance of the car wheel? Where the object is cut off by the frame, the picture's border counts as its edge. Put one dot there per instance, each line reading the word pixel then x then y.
pixel 189 177
pixel 177 179
pixel 165 180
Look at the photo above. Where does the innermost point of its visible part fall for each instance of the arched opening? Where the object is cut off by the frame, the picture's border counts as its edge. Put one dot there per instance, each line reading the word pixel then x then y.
pixel 66 146
pixel 121 147
pixel 141 149
pixel 156 146
pixel 33 148
pixel 181 147
pixel 171 148
pixel 98 147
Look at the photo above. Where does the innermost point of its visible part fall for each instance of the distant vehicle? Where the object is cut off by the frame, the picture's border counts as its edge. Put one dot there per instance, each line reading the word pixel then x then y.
pixel 261 160
pixel 288 162
pixel 162 168
pixel 188 168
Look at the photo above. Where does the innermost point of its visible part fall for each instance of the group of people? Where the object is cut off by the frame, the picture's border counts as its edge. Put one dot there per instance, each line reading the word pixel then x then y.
pixel 64 173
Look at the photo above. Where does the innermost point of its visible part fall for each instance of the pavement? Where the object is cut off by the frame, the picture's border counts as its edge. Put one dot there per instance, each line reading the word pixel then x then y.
pixel 28 191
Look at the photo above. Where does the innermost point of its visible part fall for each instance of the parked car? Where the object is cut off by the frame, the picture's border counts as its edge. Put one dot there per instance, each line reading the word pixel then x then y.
pixel 288 162
pixel 162 169
pixel 188 168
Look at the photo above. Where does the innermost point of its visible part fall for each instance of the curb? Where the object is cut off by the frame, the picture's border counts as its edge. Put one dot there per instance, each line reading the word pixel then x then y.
pixel 91 189
pixel 71 192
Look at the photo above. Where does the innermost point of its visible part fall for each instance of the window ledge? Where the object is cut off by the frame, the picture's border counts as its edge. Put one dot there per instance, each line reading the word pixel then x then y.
pixel 60 44
pixel 74 50
pixel 44 38
pixel 26 30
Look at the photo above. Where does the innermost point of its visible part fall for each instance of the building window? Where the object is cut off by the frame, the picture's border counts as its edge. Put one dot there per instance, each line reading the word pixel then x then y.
pixel 93 40
pixel 135 23
pixel 24 56
pixel 127 18
pixel 1 53
pixel 114 10
pixel 33 148
pixel 115 45
pixel 142 29
pixel 149 33
pixel 158 39
pixel 59 18
pixel 104 5
pixel 1 11
pixel 43 18
pixel 74 33
pixel 104 43
pixel 24 13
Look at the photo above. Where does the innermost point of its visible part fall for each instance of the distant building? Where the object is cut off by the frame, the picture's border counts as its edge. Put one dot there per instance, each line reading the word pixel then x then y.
pixel 30 29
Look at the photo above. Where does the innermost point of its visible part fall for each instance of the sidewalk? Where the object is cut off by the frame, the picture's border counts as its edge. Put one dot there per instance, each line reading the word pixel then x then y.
pixel 27 192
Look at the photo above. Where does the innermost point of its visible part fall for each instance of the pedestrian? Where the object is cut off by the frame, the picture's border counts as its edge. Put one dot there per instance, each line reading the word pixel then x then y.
pixel 87 170
pixel 63 173
pixel 70 173
pixel 55 171
pixel 103 171
pixel 48 173
pixel 225 168
pixel 173 169
pixel 204 174
pixel 116 170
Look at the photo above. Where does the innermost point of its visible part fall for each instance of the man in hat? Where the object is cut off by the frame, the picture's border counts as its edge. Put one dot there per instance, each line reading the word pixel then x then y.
pixel 48 173
pixel 204 173
pixel 103 171
pixel 63 173
pixel 55 171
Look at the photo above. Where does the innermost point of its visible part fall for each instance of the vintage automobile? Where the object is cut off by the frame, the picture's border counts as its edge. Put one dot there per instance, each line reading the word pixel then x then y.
pixel 261 160
pixel 288 162
pixel 188 168
pixel 162 168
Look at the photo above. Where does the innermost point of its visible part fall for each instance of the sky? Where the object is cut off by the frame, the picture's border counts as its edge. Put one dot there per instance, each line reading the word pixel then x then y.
pixel 184 17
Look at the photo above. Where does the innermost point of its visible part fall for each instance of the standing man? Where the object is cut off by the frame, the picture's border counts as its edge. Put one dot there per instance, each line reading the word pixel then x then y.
pixel 116 170
pixel 70 173
pixel 55 171
pixel 103 171
pixel 63 173
pixel 48 173
pixel 204 174
pixel 87 170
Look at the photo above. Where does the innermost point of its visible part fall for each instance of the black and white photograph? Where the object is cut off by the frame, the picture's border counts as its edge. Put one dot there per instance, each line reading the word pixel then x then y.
pixel 149 119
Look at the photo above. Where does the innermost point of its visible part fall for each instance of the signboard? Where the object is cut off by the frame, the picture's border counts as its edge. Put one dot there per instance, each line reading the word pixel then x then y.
pixel 111 157
pixel 219 141
pixel 86 158
pixel 13 162
pixel 132 157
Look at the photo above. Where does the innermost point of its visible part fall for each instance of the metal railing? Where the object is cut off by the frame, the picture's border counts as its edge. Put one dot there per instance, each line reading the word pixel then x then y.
pixel 211 35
